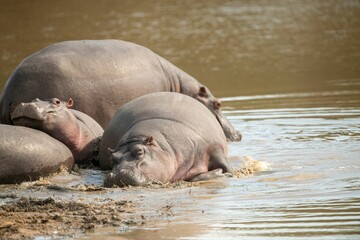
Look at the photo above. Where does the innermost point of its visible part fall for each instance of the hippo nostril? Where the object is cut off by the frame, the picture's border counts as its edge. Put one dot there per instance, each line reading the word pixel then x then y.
pixel 141 164
pixel 239 136
pixel 109 180
pixel 130 174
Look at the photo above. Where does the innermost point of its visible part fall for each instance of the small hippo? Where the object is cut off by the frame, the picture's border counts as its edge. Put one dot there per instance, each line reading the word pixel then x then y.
pixel 79 132
pixel 165 137
pixel 101 75
pixel 27 154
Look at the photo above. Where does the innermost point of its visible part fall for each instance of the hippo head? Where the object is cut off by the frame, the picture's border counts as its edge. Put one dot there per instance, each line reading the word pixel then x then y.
pixel 138 161
pixel 214 105
pixel 51 116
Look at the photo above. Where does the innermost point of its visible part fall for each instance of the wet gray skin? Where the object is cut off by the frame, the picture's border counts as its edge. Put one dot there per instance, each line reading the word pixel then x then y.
pixel 160 139
pixel 102 75
pixel 76 130
pixel 27 154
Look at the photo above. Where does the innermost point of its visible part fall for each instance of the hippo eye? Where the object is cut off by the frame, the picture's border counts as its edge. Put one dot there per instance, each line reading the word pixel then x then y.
pixel 56 101
pixel 138 152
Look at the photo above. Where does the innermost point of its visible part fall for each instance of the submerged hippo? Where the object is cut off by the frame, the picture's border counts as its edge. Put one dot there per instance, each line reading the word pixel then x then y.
pixel 27 154
pixel 79 132
pixel 165 137
pixel 101 75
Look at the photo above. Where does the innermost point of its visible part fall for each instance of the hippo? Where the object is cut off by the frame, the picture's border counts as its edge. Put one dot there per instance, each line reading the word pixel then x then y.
pixel 79 132
pixel 27 154
pixel 165 137
pixel 101 75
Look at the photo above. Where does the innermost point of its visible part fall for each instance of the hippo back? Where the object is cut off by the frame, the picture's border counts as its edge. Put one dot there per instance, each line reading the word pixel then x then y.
pixel 95 73
pixel 27 154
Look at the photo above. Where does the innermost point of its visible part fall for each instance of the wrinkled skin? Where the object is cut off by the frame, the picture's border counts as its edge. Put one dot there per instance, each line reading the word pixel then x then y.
pixel 27 154
pixel 158 137
pixel 76 130
pixel 101 76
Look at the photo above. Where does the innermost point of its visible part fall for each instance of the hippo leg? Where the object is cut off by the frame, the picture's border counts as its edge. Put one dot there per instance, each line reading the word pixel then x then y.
pixel 216 173
pixel 218 159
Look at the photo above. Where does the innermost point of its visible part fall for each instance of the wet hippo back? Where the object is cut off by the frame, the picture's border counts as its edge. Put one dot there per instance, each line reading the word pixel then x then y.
pixel 27 154
pixel 94 73
pixel 183 116
pixel 101 76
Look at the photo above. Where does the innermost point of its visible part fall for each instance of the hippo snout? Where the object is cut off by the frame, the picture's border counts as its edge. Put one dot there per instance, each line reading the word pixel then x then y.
pixel 28 110
pixel 235 136
pixel 125 177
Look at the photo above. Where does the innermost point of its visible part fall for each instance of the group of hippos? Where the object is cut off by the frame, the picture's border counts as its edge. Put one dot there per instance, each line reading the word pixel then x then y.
pixel 160 123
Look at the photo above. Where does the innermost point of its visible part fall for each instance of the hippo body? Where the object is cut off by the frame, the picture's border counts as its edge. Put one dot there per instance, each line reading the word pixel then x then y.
pixel 27 154
pixel 165 137
pixel 101 75
pixel 79 132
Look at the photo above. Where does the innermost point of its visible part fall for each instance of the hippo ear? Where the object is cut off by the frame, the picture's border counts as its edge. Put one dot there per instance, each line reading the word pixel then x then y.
pixel 149 140
pixel 217 105
pixel 69 103
pixel 202 91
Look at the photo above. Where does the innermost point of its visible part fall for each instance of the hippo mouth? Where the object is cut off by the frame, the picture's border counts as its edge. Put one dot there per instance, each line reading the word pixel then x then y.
pixel 27 121
pixel 125 177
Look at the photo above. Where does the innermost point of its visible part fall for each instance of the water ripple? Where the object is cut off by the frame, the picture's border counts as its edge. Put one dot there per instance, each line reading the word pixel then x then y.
pixel 292 95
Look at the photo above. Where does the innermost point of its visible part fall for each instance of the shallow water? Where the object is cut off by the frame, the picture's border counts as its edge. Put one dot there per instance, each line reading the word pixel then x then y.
pixel 288 74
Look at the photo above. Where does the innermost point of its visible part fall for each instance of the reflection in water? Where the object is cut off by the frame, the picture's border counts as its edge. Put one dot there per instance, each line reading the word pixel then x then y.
pixel 308 219
pixel 340 99
pixel 150 232
pixel 288 74
pixel 295 95
pixel 296 113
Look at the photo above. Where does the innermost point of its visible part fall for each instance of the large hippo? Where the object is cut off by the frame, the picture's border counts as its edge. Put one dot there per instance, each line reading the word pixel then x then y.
pixel 79 132
pixel 27 154
pixel 165 137
pixel 101 75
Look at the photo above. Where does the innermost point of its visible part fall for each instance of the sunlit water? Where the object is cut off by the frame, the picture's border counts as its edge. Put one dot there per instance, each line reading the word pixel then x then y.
pixel 288 74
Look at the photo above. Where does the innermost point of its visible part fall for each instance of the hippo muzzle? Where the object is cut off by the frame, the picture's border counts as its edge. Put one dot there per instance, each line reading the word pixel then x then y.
pixel 125 177
pixel 28 111
pixel 230 132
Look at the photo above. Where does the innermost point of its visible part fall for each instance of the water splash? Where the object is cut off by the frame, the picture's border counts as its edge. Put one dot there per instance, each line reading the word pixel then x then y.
pixel 251 166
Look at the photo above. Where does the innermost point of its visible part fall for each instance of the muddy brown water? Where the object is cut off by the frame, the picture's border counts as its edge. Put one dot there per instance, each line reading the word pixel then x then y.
pixel 288 74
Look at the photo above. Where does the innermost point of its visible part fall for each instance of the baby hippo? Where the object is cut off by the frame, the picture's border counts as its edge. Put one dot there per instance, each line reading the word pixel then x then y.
pixel 165 137
pixel 79 132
